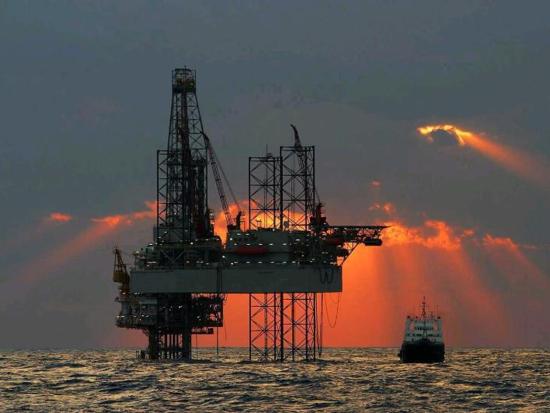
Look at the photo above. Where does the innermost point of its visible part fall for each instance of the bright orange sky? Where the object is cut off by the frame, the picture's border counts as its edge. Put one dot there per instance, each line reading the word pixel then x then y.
pixel 381 284
pixel 384 284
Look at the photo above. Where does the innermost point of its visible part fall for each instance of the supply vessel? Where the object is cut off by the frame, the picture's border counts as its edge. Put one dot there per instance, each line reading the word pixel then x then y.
pixel 423 341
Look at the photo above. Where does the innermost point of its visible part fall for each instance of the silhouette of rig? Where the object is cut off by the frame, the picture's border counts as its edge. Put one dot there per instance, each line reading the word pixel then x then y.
pixel 286 258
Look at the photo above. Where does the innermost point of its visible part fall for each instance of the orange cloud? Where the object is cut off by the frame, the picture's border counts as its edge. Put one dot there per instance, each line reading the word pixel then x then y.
pixel 388 208
pixel 526 165
pixel 432 234
pixel 113 220
pixel 99 229
pixel 59 217
pixel 149 213
pixel 499 242
pixel 129 219
pixel 458 134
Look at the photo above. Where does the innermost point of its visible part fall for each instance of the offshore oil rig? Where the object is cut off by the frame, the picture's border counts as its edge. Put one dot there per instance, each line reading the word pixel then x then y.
pixel 283 256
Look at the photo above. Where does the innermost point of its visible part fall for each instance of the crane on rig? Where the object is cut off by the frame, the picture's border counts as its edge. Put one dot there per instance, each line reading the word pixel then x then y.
pixel 232 223
pixel 299 147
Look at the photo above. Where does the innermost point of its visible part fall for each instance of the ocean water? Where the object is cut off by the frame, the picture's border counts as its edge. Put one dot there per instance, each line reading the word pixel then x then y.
pixel 347 380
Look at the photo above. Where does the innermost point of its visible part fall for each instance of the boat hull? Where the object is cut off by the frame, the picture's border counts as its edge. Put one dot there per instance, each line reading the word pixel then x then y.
pixel 422 351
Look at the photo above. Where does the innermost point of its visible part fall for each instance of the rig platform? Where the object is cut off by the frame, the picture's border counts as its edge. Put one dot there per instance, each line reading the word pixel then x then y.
pixel 283 256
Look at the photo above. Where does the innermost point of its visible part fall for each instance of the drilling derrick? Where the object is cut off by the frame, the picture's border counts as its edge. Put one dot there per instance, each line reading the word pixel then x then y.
pixel 182 205
pixel 184 238
pixel 286 257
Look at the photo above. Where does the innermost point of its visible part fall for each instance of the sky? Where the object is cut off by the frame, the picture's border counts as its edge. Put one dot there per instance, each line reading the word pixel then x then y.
pixel 84 104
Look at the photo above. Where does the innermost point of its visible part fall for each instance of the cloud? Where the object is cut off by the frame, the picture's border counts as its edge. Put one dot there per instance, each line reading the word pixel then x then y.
pixel 442 134
pixel 526 165
pixel 433 234
pixel 388 208
pixel 59 217
pixel 130 218
pixel 491 241
pixel 81 242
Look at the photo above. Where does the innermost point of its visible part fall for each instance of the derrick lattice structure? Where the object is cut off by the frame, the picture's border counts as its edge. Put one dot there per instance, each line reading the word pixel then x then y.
pixel 184 237
pixel 282 197
pixel 264 183
pixel 297 188
pixel 182 179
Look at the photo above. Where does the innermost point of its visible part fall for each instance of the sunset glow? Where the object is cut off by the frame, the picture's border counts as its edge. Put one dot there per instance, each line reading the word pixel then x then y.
pixel 432 234
pixel 383 285
pixel 220 224
pixel 457 133
pixel 98 230
pixel 523 164
pixel 511 260
pixel 59 255
pixel 130 218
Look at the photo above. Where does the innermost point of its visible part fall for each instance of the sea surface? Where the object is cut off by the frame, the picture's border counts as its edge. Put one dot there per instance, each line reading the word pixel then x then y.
pixel 347 380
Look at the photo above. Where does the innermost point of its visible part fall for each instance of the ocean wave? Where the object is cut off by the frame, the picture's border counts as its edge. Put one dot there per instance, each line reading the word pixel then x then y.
pixel 347 380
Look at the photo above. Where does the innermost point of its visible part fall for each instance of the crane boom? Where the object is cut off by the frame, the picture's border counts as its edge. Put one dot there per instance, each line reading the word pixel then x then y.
pixel 216 168
pixel 297 141
pixel 298 145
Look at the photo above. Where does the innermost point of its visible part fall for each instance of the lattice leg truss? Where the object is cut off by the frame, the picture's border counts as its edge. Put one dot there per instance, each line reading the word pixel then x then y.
pixel 178 317
pixel 264 327
pixel 283 327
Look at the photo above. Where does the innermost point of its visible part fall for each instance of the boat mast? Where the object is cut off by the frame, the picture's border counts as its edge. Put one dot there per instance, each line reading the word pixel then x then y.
pixel 424 307
pixel 424 326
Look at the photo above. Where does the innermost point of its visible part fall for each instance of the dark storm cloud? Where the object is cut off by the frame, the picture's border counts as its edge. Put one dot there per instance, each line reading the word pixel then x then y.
pixel 85 102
